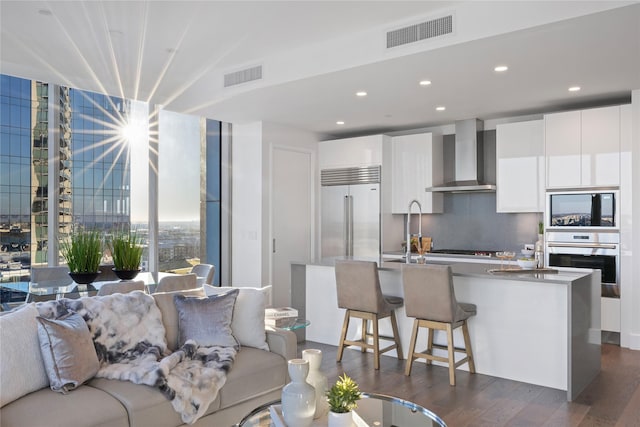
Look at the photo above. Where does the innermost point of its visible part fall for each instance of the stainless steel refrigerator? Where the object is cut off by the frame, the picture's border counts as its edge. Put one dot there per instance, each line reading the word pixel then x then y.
pixel 350 214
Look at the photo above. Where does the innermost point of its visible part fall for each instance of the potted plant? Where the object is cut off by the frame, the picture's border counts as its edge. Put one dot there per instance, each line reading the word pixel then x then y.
pixel 342 397
pixel 83 252
pixel 126 252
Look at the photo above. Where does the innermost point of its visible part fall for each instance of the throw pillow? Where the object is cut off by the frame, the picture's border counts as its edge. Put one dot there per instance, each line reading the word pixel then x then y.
pixel 21 368
pixel 248 315
pixel 164 301
pixel 67 350
pixel 206 320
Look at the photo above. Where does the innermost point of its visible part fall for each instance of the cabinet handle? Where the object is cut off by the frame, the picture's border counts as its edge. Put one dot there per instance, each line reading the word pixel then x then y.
pixel 274 246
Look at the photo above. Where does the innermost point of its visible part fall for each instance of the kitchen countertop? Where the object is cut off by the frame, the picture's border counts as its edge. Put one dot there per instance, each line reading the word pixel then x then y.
pixel 469 269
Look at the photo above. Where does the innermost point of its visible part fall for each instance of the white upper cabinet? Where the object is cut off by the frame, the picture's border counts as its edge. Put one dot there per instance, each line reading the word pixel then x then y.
pixel 351 152
pixel 562 149
pixel 520 167
pixel 601 147
pixel 416 164
pixel 583 148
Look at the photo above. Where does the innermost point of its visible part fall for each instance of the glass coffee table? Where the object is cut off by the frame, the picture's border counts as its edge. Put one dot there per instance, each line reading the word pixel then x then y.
pixel 373 410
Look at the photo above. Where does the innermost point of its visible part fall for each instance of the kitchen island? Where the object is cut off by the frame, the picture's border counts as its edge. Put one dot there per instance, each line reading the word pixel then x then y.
pixel 538 328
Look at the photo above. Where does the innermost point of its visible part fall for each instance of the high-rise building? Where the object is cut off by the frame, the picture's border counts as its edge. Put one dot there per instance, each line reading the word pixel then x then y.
pixel 63 164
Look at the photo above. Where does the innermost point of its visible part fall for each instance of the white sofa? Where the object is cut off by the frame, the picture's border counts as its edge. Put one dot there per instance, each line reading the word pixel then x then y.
pixel 257 377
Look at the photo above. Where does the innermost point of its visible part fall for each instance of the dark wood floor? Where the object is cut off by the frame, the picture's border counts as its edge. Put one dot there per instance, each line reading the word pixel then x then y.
pixel 612 399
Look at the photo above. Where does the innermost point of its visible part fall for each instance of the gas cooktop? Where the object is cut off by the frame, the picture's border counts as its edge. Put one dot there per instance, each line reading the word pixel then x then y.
pixel 464 252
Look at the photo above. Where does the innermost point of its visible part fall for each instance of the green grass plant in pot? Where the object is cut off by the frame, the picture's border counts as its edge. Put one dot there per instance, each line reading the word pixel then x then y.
pixel 83 252
pixel 343 397
pixel 126 250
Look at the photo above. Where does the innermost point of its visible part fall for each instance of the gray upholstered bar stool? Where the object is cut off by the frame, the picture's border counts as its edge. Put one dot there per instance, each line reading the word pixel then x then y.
pixel 359 293
pixel 430 299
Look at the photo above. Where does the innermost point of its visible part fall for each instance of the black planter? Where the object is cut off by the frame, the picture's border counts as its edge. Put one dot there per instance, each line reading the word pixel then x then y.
pixel 84 278
pixel 126 274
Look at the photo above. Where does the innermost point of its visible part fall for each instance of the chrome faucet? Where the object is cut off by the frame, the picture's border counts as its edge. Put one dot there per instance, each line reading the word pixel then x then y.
pixel 408 254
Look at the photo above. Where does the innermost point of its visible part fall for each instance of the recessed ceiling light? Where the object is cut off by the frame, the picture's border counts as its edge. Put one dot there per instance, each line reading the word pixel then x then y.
pixel 339 122
pixel 574 88
pixel 425 82
pixel 501 68
pixel 441 108
pixel 361 93
pixel 45 12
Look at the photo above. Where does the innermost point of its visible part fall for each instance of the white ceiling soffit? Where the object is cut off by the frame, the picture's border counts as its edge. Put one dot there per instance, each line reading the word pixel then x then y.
pixel 315 54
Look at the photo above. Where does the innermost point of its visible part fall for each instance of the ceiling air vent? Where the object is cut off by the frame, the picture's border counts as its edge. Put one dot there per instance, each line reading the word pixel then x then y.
pixel 422 31
pixel 243 76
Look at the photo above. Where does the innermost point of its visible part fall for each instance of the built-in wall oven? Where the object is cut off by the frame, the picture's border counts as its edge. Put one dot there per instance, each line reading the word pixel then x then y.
pixel 587 250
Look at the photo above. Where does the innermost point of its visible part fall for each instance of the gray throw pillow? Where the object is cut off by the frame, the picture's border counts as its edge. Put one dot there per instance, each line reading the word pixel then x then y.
pixel 164 301
pixel 67 350
pixel 206 320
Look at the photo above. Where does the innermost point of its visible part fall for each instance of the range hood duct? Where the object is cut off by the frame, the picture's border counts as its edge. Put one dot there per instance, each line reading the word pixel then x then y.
pixel 469 160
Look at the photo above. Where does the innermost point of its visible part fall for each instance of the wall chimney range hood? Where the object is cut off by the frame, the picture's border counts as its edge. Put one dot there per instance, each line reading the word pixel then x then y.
pixel 469 160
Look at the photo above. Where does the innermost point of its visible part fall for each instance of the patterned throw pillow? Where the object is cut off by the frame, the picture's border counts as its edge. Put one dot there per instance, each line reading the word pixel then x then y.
pixel 206 320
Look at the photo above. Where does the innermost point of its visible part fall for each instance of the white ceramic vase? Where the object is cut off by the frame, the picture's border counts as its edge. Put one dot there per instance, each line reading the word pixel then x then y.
pixel 298 397
pixel 340 420
pixel 317 380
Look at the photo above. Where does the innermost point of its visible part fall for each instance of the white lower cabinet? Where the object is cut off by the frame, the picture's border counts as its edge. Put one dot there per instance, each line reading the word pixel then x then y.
pixel 520 173
pixel 417 164
pixel 610 314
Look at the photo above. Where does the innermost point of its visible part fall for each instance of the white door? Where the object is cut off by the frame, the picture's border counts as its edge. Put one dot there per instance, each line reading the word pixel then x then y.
pixel 291 213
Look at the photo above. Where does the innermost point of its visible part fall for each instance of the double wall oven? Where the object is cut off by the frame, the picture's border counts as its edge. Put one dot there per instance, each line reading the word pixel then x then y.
pixel 583 232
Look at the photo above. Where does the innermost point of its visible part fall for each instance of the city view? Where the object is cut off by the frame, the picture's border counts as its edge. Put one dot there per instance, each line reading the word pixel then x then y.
pixel 89 184
pixel 178 248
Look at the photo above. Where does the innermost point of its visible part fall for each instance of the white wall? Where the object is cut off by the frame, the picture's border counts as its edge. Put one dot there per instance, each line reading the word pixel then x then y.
pixel 276 135
pixel 251 176
pixel 630 301
pixel 246 205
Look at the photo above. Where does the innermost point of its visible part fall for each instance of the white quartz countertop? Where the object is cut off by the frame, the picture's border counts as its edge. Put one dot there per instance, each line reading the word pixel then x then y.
pixel 471 269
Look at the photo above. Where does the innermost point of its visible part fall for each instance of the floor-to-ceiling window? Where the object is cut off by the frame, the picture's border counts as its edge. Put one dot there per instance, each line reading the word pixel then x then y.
pixel 15 176
pixel 179 191
pixel 77 159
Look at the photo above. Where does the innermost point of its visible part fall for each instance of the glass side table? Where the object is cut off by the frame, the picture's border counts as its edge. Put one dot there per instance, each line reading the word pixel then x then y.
pixel 296 324
pixel 373 410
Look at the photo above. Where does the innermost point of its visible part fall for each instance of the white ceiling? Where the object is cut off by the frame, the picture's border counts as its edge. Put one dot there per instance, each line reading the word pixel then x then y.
pixel 317 54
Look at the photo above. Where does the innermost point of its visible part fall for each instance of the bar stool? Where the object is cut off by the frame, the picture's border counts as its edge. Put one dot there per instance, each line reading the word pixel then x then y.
pixel 430 299
pixel 359 293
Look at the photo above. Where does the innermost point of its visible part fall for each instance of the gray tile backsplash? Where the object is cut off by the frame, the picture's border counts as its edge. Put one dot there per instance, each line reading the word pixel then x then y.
pixel 470 221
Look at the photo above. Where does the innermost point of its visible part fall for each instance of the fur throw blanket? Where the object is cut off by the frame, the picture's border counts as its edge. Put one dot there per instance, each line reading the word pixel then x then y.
pixel 129 338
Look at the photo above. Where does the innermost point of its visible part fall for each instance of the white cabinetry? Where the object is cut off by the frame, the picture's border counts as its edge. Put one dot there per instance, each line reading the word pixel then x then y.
pixel 601 147
pixel 562 149
pixel 416 164
pixel 520 167
pixel 582 148
pixel 351 152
